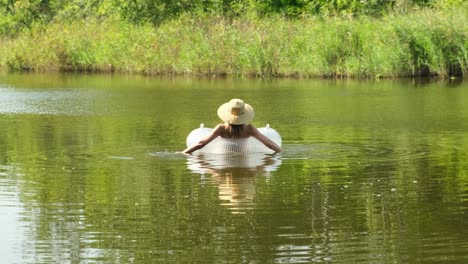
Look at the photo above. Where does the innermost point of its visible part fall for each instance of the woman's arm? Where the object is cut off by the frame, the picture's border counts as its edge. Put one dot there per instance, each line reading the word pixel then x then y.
pixel 210 137
pixel 265 140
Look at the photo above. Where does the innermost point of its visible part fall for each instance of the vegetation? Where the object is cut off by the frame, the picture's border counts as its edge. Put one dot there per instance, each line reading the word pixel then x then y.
pixel 347 38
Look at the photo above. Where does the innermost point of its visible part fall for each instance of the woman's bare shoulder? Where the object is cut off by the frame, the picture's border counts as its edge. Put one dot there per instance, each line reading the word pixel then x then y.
pixel 251 129
pixel 220 129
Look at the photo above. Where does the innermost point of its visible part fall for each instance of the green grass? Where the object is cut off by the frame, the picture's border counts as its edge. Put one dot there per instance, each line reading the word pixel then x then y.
pixel 423 43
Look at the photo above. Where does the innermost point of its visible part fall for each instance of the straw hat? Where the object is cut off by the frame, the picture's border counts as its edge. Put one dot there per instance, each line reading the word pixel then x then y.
pixel 236 112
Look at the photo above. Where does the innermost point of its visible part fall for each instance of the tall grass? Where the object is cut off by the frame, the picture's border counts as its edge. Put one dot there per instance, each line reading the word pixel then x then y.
pixel 426 42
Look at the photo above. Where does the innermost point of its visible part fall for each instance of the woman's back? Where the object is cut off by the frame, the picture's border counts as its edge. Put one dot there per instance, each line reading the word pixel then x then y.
pixel 234 131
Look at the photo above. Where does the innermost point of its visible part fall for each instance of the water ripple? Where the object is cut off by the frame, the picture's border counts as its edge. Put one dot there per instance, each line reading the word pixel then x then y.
pixel 350 152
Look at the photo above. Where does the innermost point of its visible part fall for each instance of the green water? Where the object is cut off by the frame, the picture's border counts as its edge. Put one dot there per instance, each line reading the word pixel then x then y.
pixel 372 172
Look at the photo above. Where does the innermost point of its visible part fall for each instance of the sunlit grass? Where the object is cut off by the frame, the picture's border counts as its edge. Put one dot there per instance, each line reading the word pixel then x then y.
pixel 426 42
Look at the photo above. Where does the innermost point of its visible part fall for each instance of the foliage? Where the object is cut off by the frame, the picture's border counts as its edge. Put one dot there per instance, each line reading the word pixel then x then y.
pixel 18 14
pixel 424 43
pixel 244 38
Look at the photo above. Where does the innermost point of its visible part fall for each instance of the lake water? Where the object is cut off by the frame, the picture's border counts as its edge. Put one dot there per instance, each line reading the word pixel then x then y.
pixel 372 172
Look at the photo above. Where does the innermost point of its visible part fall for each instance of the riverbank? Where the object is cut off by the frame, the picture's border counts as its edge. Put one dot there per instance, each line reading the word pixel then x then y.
pixel 423 43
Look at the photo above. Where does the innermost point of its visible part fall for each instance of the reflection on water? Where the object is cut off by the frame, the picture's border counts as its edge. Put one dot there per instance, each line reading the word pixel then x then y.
pixel 372 172
pixel 10 213
pixel 235 174
pixel 209 163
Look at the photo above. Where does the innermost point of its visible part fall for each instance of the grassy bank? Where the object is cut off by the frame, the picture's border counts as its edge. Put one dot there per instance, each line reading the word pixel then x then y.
pixel 425 42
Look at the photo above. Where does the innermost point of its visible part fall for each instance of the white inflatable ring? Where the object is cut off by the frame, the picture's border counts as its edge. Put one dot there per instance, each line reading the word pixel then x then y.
pixel 243 145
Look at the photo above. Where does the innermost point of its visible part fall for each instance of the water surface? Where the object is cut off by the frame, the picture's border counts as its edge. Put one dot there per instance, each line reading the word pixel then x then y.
pixel 372 172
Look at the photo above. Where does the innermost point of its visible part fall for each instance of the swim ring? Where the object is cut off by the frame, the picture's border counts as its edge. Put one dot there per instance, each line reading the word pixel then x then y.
pixel 243 145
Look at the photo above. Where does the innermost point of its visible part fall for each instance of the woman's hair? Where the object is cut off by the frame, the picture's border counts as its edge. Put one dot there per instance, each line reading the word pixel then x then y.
pixel 236 131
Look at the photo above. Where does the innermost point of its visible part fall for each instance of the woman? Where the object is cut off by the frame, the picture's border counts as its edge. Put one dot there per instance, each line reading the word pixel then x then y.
pixel 236 116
